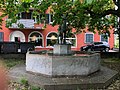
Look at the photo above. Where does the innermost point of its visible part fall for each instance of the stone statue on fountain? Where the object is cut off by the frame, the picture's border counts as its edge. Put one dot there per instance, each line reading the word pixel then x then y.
pixel 62 48
pixel 62 31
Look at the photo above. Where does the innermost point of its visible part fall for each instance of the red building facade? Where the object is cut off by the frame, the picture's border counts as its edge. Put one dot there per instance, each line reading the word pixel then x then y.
pixel 45 38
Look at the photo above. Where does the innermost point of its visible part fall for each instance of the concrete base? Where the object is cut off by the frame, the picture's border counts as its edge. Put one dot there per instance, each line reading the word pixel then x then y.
pixel 67 65
pixel 62 49
pixel 97 80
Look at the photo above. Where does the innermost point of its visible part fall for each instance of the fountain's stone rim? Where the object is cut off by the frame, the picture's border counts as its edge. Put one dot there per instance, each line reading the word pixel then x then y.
pixel 79 54
pixel 50 53
pixel 53 65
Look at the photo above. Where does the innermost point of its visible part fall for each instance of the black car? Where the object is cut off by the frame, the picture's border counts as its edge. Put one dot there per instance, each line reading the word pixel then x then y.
pixel 96 46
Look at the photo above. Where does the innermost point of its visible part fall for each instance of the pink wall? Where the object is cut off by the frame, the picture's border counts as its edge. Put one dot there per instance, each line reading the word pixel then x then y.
pixel 80 37
pixel 5 30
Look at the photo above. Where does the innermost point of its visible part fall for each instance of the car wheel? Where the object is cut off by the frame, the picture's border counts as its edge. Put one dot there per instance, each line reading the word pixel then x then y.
pixel 106 49
pixel 81 49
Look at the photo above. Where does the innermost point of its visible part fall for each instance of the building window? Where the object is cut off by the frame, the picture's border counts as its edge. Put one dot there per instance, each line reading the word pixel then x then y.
pixel 71 39
pixel 50 18
pixel 37 38
pixel 25 15
pixel 47 18
pixel 52 39
pixel 104 38
pixel 1 36
pixel 88 37
pixel 41 18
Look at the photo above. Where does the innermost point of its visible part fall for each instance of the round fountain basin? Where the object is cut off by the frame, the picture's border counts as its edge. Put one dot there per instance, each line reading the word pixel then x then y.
pixel 62 65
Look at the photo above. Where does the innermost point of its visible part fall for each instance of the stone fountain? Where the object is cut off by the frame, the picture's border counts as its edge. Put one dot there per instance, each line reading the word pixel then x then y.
pixel 63 62
pixel 63 69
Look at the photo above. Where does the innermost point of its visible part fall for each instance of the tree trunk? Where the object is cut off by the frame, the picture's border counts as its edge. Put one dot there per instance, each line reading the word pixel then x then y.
pixel 119 39
pixel 118 2
pixel 119 35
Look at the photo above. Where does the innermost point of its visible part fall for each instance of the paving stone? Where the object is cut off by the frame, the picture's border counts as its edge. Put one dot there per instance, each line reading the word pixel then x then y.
pixel 100 79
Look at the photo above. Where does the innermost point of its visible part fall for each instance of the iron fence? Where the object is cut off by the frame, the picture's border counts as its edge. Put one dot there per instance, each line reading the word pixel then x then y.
pixel 16 47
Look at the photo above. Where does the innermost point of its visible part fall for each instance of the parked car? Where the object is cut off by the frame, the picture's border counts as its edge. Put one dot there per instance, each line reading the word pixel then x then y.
pixel 96 46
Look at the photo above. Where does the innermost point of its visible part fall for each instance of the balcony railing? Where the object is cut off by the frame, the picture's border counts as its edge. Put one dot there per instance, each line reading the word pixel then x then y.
pixel 27 23
pixel 24 24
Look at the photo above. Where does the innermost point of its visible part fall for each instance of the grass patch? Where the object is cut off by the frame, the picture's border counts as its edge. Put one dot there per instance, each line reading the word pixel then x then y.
pixel 114 60
pixel 9 63
pixel 24 81
pixel 25 84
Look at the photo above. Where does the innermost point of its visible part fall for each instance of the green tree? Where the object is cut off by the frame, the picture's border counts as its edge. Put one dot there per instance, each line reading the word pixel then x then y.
pixel 96 14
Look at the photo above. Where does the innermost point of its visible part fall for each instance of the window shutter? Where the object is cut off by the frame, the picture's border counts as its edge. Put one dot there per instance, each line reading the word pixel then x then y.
pixel 1 36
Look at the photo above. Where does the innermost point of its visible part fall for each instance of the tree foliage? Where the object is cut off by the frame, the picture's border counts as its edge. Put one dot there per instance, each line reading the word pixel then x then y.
pixel 96 14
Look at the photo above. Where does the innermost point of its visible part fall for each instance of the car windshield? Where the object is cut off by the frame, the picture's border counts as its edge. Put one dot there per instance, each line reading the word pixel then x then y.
pixel 97 43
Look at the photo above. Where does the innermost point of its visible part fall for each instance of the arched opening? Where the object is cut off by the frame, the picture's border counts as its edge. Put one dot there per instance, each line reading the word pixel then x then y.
pixel 36 37
pixel 51 39
pixel 17 36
